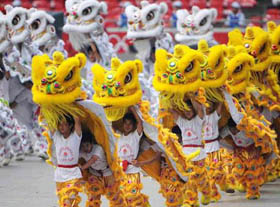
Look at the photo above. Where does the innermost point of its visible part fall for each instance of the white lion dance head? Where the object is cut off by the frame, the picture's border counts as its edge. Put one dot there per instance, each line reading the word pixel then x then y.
pixel 195 26
pixel 43 32
pixel 83 16
pixel 16 20
pixel 40 26
pixel 146 26
pixel 146 22
pixel 84 25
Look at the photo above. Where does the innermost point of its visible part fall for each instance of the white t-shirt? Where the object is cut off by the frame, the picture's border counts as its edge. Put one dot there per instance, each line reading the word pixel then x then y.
pixel 240 139
pixel 192 134
pixel 100 164
pixel 210 131
pixel 67 153
pixel 128 147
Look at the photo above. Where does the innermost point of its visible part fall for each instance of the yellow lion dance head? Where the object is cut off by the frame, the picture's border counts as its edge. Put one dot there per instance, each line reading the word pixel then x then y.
pixel 177 75
pixel 239 65
pixel 213 70
pixel 57 84
pixel 118 88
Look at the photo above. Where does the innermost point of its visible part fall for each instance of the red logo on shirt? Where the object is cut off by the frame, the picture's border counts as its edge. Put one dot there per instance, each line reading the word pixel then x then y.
pixel 126 152
pixel 208 130
pixel 66 154
pixel 189 135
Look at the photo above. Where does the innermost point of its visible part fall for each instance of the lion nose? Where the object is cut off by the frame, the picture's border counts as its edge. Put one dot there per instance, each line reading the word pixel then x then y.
pixel 274 47
pixel 254 53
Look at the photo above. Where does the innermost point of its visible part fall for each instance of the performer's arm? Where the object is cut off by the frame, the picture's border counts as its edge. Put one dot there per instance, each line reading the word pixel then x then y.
pixel 138 119
pixel 235 114
pixel 219 108
pixel 78 128
pixel 137 163
pixel 91 161
pixel 198 108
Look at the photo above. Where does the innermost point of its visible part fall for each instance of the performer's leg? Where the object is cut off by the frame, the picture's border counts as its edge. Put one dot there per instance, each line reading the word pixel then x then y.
pixel 213 164
pixel 94 188
pixel 252 178
pixel 132 187
pixel 171 187
pixel 67 193
pixel 113 192
pixel 203 184
pixel 228 166
pixel 198 181
pixel 7 154
pixel 16 147
pixel 238 170
pixel 190 193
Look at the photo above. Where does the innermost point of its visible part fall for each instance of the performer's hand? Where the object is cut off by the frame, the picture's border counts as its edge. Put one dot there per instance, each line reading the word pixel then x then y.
pixel 136 163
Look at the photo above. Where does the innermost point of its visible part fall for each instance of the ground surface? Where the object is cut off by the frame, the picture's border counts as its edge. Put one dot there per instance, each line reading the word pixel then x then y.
pixel 30 184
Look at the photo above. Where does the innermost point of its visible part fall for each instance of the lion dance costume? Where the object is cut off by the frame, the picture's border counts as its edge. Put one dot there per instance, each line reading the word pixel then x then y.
pixel 57 84
pixel 118 89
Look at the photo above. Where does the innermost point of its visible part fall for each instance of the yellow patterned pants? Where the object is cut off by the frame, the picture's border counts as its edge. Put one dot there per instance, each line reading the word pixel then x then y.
pixel 131 187
pixel 248 170
pixel 216 174
pixel 171 187
pixel 230 181
pixel 198 181
pixel 68 193
pixel 96 186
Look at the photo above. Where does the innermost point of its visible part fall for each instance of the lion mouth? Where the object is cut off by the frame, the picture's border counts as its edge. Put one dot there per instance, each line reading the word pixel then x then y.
pixel 108 106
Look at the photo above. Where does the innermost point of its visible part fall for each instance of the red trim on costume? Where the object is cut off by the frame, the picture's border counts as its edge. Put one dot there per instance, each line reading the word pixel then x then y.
pixel 68 166
pixel 193 145
pixel 211 140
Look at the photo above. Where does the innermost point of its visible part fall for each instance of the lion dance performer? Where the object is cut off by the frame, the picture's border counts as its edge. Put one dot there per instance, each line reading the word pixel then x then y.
pixel 20 84
pixel 146 29
pixel 57 88
pixel 214 75
pixel 119 91
pixel 178 79
pixel 84 25
pixel 252 138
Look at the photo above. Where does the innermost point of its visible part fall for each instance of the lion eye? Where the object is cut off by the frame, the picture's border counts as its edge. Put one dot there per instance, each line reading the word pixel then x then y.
pixel 16 20
pixel 189 67
pixel 128 78
pixel 218 63
pixel 238 69
pixel 69 76
pixel 35 25
pixel 150 16
pixel 203 21
pixel 263 48
pixel 87 11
